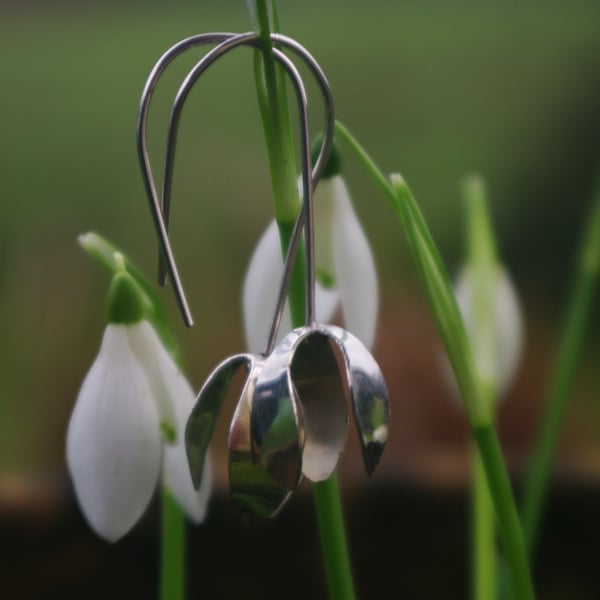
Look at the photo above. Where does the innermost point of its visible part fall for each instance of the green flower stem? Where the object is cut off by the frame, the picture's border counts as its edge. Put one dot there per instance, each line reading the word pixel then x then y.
pixel 450 326
pixel 271 92
pixel 333 539
pixel 482 269
pixel 173 552
pixel 381 181
pixel 483 546
pixel 507 517
pixel 481 242
pixel 483 266
pixel 574 330
pixel 172 556
pixel 277 124
pixel 105 253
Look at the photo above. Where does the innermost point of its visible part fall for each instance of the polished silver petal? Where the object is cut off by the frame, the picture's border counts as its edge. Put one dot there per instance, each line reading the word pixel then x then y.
pixel 254 492
pixel 201 423
pixel 370 400
pixel 266 438
pixel 277 428
pixel 315 370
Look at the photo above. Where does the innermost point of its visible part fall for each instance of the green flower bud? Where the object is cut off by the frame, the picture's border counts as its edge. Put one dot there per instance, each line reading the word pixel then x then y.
pixel 334 162
pixel 125 300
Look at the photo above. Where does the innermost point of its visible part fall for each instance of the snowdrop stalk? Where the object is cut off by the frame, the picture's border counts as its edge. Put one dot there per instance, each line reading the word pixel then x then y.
pixel 446 314
pixel 575 327
pixel 482 262
pixel 271 91
pixel 173 554
pixel 479 293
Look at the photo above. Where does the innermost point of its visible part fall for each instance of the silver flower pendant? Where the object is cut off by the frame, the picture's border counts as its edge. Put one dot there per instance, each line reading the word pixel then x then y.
pixel 291 419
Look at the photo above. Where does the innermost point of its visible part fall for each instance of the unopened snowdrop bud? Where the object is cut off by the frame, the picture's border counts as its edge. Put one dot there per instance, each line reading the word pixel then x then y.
pixel 498 367
pixel 487 299
pixel 345 269
pixel 133 401
pixel 113 446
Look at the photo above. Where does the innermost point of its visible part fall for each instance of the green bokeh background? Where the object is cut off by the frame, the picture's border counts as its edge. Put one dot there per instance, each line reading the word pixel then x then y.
pixel 434 90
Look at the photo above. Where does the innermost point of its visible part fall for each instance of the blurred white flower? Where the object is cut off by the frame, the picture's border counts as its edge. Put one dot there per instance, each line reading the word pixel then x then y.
pixel 507 327
pixel 128 420
pixel 346 275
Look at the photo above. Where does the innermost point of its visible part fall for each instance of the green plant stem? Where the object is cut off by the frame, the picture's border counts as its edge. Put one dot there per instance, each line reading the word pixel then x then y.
pixel 380 180
pixel 272 101
pixel 333 539
pixel 443 305
pixel 276 123
pixel 574 330
pixel 172 555
pixel 483 546
pixel 482 267
pixel 505 509
pixel 104 253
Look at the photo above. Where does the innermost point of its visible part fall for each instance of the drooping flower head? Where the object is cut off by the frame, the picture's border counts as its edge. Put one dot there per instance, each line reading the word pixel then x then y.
pixel 487 299
pixel 506 321
pixel 127 424
pixel 345 269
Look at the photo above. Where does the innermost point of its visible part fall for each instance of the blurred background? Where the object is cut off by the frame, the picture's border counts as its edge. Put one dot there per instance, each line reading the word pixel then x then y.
pixel 434 90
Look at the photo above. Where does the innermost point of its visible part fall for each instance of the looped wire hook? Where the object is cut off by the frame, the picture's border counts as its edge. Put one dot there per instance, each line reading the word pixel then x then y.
pixel 160 209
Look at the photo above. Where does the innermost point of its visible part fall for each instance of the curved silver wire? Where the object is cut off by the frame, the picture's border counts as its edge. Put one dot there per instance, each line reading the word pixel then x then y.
pixel 142 126
pixel 228 42
pixel 182 93
pixel 251 39
pixel 213 38
pixel 181 97
pixel 161 64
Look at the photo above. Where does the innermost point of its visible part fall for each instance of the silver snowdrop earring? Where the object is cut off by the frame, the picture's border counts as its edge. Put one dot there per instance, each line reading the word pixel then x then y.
pixel 291 419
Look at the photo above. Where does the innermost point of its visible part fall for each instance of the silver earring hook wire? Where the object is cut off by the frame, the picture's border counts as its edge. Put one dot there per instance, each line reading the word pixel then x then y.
pixel 142 145
pixel 250 38
pixel 181 97
pixel 306 214
pixel 162 224
pixel 308 186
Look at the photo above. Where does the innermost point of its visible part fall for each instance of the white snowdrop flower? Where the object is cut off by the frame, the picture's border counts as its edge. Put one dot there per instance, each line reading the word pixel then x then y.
pixel 488 302
pixel 176 470
pixel 128 421
pixel 346 275
pixel 261 286
pixel 499 369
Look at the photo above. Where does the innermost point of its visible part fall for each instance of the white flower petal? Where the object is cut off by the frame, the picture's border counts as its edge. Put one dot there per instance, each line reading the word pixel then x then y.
pixel 326 302
pixel 113 439
pixel 508 325
pixel 355 273
pixel 163 374
pixel 324 215
pixel 176 470
pixel 261 286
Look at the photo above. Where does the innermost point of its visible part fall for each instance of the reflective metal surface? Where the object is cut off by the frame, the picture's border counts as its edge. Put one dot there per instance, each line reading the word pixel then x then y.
pixel 370 401
pixel 277 428
pixel 255 492
pixel 200 425
pixel 258 487
pixel 318 381
pixel 315 371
